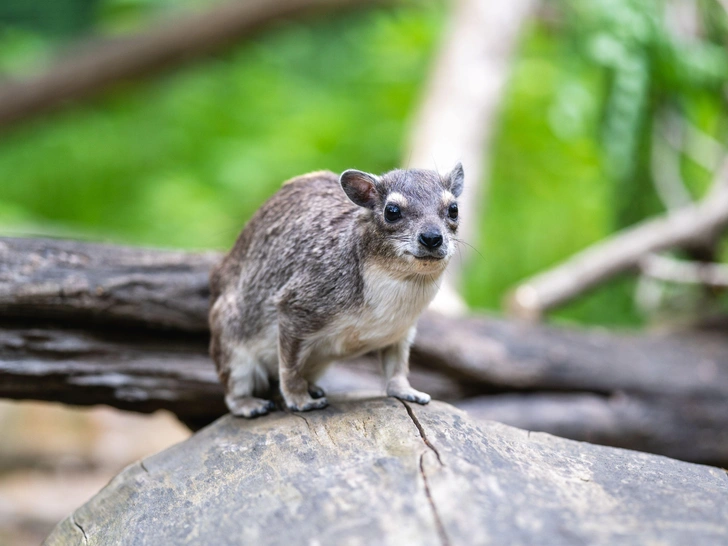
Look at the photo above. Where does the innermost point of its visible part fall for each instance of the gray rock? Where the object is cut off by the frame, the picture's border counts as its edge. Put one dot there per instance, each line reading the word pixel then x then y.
pixel 381 472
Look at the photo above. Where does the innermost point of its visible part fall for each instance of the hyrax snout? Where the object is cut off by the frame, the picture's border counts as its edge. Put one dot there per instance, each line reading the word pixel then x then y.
pixel 329 268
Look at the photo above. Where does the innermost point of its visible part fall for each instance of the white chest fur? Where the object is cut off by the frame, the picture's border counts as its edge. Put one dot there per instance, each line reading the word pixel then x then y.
pixel 390 308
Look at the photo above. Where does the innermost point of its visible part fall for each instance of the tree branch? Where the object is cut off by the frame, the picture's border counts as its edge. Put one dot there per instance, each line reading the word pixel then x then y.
pixel 668 269
pixel 694 225
pixel 95 67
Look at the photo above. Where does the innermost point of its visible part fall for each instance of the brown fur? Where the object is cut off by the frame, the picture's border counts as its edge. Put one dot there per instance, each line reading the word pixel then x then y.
pixel 301 286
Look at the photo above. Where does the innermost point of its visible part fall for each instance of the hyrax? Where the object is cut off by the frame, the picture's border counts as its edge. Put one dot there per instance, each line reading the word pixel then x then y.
pixel 330 268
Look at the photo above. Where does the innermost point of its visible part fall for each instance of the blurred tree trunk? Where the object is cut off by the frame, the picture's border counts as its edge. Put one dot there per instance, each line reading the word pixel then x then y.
pixel 458 114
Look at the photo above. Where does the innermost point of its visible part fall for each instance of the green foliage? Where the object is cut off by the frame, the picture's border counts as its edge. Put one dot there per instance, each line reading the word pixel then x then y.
pixel 571 162
pixel 648 67
pixel 549 197
pixel 186 159
pixel 56 17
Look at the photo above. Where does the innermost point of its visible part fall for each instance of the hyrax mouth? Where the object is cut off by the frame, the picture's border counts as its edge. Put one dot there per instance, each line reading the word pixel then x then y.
pixel 430 258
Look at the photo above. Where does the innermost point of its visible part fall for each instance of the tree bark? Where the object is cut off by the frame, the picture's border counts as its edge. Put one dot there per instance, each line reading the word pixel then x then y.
pixel 70 280
pixel 145 371
pixel 508 355
pixel 130 370
pixel 94 67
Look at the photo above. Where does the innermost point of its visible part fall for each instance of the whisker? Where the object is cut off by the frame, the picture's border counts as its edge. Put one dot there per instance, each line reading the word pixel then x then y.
pixel 471 246
pixel 437 171
pixel 436 283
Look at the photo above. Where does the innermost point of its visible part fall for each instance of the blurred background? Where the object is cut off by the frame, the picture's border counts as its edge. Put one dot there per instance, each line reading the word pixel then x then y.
pixel 614 111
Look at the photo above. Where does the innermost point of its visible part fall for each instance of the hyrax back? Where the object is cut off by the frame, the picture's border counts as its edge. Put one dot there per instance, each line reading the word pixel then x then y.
pixel 329 268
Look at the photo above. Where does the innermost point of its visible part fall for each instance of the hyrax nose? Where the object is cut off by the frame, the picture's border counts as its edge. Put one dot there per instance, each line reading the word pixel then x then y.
pixel 431 239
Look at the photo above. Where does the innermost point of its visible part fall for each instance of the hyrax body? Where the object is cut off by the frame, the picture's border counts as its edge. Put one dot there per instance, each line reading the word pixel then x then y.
pixel 330 268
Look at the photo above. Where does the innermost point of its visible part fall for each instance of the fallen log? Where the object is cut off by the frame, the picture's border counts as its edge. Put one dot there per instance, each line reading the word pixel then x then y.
pixel 130 370
pixel 84 324
pixel 112 285
pixel 511 355
pixel 93 283
pixel 147 371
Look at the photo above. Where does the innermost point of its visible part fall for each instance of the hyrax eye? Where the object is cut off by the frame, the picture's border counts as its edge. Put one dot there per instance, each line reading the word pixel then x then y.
pixel 452 211
pixel 392 213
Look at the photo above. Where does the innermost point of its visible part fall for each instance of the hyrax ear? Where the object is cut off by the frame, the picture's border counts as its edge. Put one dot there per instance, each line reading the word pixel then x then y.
pixel 360 187
pixel 457 179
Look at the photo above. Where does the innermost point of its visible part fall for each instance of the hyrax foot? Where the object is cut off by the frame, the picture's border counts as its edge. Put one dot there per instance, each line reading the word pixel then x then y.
pixel 316 392
pixel 248 406
pixel 305 403
pixel 408 394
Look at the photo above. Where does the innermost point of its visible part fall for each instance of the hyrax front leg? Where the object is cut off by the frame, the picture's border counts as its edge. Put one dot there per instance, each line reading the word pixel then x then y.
pixel 315 391
pixel 296 391
pixel 395 364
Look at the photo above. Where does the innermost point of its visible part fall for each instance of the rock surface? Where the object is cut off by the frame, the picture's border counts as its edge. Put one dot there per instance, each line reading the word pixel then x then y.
pixel 379 471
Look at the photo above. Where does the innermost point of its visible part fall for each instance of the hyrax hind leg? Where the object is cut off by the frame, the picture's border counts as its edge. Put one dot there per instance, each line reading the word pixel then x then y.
pixel 298 393
pixel 247 377
pixel 242 375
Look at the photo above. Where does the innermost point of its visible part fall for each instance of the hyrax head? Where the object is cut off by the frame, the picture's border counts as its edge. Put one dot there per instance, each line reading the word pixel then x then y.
pixel 412 215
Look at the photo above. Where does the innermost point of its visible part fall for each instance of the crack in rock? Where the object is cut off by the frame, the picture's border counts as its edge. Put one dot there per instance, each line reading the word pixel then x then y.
pixel 73 520
pixel 422 431
pixel 436 515
pixel 328 433
pixel 308 425
pixel 311 430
